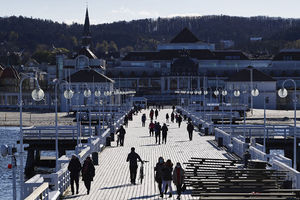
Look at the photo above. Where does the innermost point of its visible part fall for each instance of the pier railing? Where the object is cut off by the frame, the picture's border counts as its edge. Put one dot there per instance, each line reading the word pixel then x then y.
pixel 39 185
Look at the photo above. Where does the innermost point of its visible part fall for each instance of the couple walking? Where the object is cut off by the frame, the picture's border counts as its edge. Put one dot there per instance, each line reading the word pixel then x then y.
pixel 87 170
pixel 165 174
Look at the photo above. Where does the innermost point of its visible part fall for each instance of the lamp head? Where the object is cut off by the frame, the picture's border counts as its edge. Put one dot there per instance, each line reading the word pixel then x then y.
pixel 282 92
pixel 37 94
pixel 236 93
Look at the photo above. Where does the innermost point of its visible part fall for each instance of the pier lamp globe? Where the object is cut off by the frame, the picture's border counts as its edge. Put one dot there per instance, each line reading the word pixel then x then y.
pixel 224 92
pixel 205 92
pixel 255 92
pixel 282 93
pixel 68 94
pixel 37 94
pixel 87 93
pixel 216 92
pixel 98 93
pixel 236 93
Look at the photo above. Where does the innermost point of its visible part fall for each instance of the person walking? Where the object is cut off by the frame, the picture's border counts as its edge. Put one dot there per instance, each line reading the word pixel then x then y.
pixel 132 159
pixel 74 167
pixel 88 173
pixel 167 177
pixel 156 113
pixel 179 120
pixel 151 128
pixel 126 120
pixel 172 117
pixel 173 108
pixel 157 129
pixel 122 133
pixel 190 129
pixel 164 131
pixel 151 114
pixel 143 120
pixel 167 117
pixel 158 173
pixel 178 178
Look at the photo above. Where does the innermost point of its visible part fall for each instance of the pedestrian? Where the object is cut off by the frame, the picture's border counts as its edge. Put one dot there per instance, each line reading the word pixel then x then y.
pixel 178 178
pixel 247 157
pixel 126 120
pixel 132 159
pixel 190 129
pixel 88 173
pixel 157 129
pixel 173 108
pixel 156 113
pixel 74 167
pixel 158 173
pixel 143 120
pixel 167 117
pixel 176 118
pixel 172 117
pixel 179 120
pixel 122 133
pixel 167 177
pixel 151 128
pixel 164 131
pixel 151 114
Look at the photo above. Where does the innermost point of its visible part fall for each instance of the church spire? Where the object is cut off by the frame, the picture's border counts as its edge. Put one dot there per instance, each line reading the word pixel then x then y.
pixel 86 38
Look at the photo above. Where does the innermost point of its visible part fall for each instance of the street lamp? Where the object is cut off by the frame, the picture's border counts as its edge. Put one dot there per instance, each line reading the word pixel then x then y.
pixel 224 93
pixel 283 93
pixel 98 94
pixel 68 94
pixel 37 95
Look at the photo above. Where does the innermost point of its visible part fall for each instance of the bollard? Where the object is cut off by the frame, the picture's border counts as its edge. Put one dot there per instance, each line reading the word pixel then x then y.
pixel 108 144
pixel 95 158
pixel 112 136
pixel 206 131
pixel 220 142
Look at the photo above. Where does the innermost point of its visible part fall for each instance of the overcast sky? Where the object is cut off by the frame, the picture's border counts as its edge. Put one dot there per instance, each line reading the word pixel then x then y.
pixel 106 11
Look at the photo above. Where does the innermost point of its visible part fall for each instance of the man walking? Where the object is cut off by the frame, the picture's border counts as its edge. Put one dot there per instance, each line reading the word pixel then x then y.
pixel 190 129
pixel 157 130
pixel 122 133
pixel 132 159
pixel 74 167
pixel 164 131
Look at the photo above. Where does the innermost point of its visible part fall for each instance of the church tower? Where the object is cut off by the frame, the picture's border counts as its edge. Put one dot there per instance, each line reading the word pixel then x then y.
pixel 86 37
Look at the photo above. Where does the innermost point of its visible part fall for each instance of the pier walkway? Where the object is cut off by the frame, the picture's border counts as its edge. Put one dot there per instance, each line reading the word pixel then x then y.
pixel 112 181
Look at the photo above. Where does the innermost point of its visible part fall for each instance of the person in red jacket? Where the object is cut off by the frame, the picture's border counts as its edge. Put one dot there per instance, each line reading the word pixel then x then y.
pixel 178 178
pixel 151 128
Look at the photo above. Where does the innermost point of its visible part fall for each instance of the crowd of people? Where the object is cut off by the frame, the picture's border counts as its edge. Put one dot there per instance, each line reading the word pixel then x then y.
pixel 164 171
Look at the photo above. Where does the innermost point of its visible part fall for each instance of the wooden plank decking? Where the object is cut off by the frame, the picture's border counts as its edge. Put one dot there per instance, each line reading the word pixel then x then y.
pixel 112 180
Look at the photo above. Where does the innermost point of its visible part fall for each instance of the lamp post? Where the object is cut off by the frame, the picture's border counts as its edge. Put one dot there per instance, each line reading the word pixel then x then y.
pixel 224 93
pixel 87 93
pixel 68 94
pixel 37 95
pixel 98 94
pixel 283 93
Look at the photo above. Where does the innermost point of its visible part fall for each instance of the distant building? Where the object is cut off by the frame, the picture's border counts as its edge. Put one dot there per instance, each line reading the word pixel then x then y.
pixel 225 44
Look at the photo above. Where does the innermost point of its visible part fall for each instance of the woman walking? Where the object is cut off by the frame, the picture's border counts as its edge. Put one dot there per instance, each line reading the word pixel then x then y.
pixel 167 177
pixel 178 178
pixel 88 173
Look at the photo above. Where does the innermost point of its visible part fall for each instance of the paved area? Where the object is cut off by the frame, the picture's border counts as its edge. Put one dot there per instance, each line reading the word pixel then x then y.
pixel 112 180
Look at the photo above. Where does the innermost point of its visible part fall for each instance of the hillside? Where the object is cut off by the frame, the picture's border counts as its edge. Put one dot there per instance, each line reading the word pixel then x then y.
pixel 33 36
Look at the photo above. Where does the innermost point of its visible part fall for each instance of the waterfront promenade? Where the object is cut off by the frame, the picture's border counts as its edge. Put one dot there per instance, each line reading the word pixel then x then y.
pixel 112 174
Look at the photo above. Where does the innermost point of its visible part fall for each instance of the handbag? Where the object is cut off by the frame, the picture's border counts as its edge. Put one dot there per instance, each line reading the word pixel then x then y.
pixel 183 188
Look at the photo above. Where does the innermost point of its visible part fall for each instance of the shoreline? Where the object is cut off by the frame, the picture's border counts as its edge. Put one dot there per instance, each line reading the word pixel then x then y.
pixel 12 118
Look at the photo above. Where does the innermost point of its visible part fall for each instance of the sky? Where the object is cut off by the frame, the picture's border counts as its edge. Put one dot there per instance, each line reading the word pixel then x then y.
pixel 107 11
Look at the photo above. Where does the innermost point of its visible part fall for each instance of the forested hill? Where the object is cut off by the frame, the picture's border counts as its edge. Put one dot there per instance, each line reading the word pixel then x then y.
pixel 33 35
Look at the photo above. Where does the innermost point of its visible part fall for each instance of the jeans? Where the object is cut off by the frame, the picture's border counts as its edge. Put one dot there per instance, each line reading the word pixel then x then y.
pixel 133 170
pixel 165 183
pixel 76 180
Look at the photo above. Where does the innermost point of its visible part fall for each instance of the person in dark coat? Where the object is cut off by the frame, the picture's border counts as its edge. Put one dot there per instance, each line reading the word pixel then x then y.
pixel 173 108
pixel 172 117
pixel 178 178
pixel 167 177
pixel 164 131
pixel 151 128
pixel 132 159
pixel 126 120
pixel 151 114
pixel 156 113
pixel 190 129
pixel 158 172
pixel 74 167
pixel 179 120
pixel 88 173
pixel 167 117
pixel 157 129
pixel 122 133
pixel 143 120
